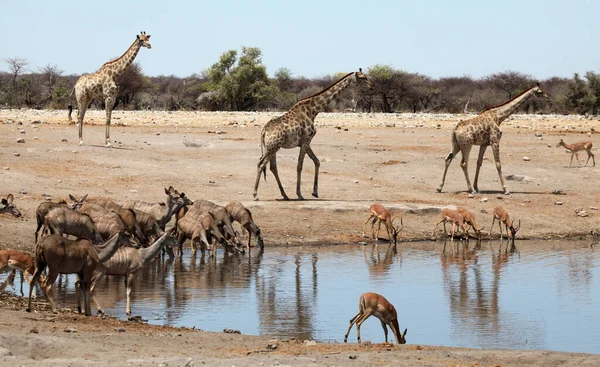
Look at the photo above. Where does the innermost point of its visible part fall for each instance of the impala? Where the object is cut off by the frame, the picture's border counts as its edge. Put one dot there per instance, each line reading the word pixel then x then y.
pixel 454 217
pixel 503 218
pixel 576 147
pixel 373 304
pixel 379 214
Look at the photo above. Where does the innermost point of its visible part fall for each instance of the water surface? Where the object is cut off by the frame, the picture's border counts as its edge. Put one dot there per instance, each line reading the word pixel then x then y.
pixel 546 295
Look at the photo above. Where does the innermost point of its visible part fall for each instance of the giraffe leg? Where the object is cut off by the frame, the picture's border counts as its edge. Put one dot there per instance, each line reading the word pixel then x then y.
pixel 464 164
pixel 449 158
pixel 261 168
pixel 482 149
pixel 273 168
pixel 109 102
pixel 317 163
pixel 299 171
pixel 82 106
pixel 496 150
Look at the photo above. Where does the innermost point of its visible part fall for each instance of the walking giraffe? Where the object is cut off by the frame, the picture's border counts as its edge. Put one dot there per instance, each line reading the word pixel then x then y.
pixel 103 84
pixel 484 130
pixel 296 128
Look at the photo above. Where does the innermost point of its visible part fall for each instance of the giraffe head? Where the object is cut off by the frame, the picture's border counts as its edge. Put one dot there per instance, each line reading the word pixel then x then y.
pixel 362 78
pixel 540 93
pixel 144 40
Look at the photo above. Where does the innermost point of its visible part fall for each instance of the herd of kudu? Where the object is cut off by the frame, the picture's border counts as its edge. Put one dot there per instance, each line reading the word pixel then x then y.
pixel 107 238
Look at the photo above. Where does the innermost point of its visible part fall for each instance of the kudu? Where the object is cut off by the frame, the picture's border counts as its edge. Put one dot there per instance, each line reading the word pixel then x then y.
pixel 127 216
pixel 127 261
pixel 62 220
pixel 160 211
pixel 239 213
pixel 65 256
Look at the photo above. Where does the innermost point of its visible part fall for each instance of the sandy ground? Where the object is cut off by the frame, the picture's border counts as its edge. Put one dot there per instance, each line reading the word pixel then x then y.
pixel 396 159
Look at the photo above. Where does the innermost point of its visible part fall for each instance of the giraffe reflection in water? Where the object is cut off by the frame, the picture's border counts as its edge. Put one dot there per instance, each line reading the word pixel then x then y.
pixel 279 312
pixel 473 297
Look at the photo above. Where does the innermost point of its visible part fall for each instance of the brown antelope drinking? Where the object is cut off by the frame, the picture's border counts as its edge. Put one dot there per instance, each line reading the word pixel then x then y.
pixel 469 219
pixel 373 304
pixel 380 214
pixel 454 217
pixel 576 147
pixel 503 218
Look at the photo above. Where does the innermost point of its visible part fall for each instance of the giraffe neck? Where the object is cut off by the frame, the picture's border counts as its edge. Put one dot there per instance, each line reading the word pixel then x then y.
pixel 319 101
pixel 503 111
pixel 119 65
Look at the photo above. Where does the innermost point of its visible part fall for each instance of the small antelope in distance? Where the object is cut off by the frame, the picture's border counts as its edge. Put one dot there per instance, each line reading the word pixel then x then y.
pixel 503 218
pixel 469 219
pixel 17 260
pixel 7 206
pixel 453 216
pixel 576 147
pixel 373 304
pixel 379 214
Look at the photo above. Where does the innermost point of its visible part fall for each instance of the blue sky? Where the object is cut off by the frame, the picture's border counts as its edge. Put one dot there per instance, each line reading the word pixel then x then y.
pixel 438 38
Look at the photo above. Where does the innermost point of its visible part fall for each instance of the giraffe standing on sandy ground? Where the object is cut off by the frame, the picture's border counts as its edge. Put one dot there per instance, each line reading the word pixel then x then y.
pixel 103 84
pixel 296 128
pixel 484 130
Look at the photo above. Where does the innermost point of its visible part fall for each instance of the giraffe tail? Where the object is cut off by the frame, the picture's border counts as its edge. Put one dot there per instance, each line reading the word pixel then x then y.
pixel 262 153
pixel 70 106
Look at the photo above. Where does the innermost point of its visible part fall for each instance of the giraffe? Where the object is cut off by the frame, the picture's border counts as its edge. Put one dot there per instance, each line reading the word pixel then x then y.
pixel 103 84
pixel 296 128
pixel 484 130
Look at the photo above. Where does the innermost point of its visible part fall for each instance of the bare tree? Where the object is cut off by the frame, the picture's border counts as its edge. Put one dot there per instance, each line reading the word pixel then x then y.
pixel 16 65
pixel 510 82
pixel 50 74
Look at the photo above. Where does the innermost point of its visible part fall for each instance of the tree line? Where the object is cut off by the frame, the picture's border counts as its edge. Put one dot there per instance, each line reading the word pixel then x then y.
pixel 238 81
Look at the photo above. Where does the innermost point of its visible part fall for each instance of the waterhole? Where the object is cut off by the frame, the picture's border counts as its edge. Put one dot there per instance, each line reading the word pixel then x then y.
pixel 544 295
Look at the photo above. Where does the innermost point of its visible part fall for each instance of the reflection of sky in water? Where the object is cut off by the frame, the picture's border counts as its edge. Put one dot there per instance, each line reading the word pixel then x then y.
pixel 533 300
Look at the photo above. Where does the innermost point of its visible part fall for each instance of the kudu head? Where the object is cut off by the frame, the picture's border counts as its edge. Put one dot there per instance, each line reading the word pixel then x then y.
pixel 77 203
pixel 176 198
pixel 7 206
